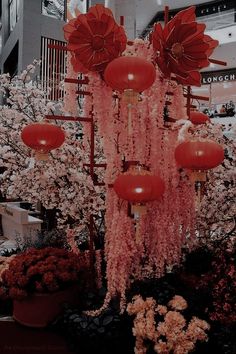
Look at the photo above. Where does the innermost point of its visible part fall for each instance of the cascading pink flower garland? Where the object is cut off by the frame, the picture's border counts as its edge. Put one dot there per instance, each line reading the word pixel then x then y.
pixel 105 118
pixel 149 246
pixel 98 268
pixel 120 241
pixel 177 108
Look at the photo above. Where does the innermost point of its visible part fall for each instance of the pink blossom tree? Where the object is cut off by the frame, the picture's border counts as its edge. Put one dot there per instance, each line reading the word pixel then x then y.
pixel 62 182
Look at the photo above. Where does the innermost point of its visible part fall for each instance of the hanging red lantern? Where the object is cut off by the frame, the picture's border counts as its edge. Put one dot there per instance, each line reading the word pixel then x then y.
pixel 139 187
pixel 42 137
pixel 198 117
pixel 199 155
pixel 130 73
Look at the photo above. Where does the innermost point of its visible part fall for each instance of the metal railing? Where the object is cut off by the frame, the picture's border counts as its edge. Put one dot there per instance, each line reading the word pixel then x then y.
pixel 218 20
pixel 214 21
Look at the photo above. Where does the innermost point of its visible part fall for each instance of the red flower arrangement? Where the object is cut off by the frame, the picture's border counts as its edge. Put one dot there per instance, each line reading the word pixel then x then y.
pixel 41 271
pixel 95 39
pixel 182 48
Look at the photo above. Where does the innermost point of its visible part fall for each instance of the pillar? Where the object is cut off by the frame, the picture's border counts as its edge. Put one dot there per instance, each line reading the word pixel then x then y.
pixel 128 10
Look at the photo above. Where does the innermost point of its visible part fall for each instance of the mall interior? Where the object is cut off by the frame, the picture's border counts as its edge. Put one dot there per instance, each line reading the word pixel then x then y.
pixel 33 30
pixel 21 42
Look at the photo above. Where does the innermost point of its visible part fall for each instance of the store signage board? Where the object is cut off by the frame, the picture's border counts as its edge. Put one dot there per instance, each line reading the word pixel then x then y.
pixel 218 76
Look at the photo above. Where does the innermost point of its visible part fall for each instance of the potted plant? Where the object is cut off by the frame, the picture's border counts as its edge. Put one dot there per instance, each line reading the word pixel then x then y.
pixel 39 281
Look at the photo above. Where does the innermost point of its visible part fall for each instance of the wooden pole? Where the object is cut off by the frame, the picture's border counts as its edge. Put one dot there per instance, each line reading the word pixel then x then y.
pixel 188 100
pixel 218 62
pixel 91 167
pixel 166 15
pixel 122 20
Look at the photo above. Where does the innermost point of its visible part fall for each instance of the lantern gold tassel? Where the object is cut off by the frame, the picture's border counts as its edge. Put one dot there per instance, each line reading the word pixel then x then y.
pixel 129 119
pixel 41 156
pixel 131 99
pixel 138 210
pixel 197 176
pixel 131 96
pixel 198 196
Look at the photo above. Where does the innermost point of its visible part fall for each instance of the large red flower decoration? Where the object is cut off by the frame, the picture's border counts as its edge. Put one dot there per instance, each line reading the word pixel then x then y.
pixel 95 39
pixel 182 48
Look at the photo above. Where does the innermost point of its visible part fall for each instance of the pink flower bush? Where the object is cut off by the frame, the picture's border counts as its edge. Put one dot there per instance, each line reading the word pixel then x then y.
pixel 61 182
pixel 173 334
pixel 178 303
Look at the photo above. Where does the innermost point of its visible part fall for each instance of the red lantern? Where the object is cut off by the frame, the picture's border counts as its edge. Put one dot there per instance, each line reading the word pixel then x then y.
pixel 199 155
pixel 42 137
pixel 139 188
pixel 130 73
pixel 198 117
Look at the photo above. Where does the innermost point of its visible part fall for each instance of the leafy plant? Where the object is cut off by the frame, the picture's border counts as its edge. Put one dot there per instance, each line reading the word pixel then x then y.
pixel 42 239
pixel 106 332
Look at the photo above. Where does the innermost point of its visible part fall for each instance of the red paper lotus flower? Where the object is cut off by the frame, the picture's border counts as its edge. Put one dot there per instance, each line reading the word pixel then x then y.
pixel 95 38
pixel 182 48
pixel 78 67
pixel 193 79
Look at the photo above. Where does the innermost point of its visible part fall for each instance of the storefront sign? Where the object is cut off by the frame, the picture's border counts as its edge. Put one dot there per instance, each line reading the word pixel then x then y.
pixel 218 76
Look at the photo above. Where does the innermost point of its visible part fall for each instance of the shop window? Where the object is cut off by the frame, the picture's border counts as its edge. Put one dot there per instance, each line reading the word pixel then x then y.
pixel 54 8
pixel 53 66
pixel 11 63
pixel 220 87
